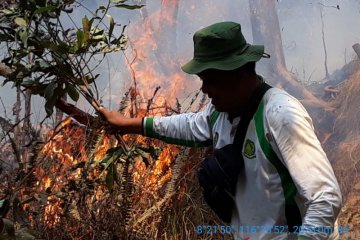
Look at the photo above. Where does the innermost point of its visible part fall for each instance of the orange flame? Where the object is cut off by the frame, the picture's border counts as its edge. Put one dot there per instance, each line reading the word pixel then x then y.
pixel 67 148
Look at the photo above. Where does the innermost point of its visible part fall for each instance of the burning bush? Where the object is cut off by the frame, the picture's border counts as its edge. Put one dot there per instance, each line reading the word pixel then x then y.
pixel 87 184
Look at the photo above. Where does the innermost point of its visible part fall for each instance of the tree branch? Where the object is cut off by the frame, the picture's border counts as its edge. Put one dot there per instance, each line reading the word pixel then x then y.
pixel 74 112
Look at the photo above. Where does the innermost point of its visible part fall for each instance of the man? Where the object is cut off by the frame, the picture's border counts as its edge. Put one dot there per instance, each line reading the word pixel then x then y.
pixel 286 178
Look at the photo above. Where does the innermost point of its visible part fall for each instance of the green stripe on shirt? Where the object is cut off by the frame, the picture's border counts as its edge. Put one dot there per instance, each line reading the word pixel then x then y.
pixel 286 180
pixel 213 117
pixel 150 132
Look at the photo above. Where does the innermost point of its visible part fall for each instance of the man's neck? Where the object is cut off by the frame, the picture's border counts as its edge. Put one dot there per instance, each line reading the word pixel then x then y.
pixel 242 108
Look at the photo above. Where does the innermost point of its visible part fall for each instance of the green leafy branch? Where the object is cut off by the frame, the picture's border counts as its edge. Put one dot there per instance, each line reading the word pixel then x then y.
pixel 51 59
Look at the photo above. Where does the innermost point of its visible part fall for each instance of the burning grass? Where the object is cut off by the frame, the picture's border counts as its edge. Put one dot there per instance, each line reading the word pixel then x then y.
pixel 87 185
pixel 345 148
pixel 81 190
pixel 344 151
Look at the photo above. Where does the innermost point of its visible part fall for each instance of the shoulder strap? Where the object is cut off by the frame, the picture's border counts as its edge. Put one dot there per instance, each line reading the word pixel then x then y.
pixel 248 114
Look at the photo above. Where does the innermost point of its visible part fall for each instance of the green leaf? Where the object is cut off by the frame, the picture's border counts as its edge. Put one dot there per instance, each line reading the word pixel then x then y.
pixel 67 71
pixel 23 37
pixel 111 156
pixel 45 43
pixel 97 38
pixel 97 32
pixel 80 38
pixel 60 48
pixel 49 106
pixel 4 207
pixel 86 27
pixel 73 93
pixel 51 94
pixel 5 38
pixel 97 35
pixel 20 22
pixel 7 11
pixel 49 90
pixel 131 7
pixel 28 83
pixel 42 10
pixel 115 151
pixel 108 161
pixel 112 24
pixel 44 64
pixel 40 3
pixel 110 177
pixel 69 10
pixel 101 8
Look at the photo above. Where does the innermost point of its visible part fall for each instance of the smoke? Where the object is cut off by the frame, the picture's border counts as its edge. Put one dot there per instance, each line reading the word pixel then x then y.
pixel 301 38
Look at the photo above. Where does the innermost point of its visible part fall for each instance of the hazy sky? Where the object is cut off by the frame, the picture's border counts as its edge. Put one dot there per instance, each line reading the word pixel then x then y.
pixel 301 35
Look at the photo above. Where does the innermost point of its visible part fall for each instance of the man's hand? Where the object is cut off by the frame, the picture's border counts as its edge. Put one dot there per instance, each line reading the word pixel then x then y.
pixel 120 122
pixel 115 119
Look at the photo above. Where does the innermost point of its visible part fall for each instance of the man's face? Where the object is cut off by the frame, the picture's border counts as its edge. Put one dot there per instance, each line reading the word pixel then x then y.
pixel 228 90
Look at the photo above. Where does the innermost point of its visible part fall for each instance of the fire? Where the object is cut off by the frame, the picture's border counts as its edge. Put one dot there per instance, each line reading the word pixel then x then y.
pixel 67 147
pixel 101 150
pixel 160 171
pixel 64 150
pixel 52 210
pixel 149 65
pixel 47 182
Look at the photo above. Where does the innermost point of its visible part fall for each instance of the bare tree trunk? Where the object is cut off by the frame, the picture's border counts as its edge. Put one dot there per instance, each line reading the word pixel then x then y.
pixel 266 31
pixel 25 133
pixel 17 133
pixel 27 124
pixel 26 129
pixel 324 44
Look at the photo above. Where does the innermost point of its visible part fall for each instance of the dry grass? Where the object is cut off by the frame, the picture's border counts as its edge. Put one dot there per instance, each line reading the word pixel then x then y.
pixel 346 132
pixel 70 198
pixel 344 152
pixel 174 210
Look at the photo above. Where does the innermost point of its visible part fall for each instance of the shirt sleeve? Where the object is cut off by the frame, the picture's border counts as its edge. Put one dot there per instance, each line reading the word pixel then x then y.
pixel 301 152
pixel 187 129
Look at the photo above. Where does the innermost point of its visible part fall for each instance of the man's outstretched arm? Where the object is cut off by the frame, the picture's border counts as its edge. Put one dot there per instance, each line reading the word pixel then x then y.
pixel 187 129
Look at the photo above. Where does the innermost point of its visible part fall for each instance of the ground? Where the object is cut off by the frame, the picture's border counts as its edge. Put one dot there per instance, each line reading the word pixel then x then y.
pixel 350 214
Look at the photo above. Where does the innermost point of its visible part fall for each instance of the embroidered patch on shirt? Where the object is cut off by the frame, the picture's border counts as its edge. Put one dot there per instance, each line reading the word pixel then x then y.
pixel 249 149
pixel 215 139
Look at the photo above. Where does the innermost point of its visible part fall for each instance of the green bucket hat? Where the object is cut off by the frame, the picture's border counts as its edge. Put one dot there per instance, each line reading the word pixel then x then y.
pixel 221 46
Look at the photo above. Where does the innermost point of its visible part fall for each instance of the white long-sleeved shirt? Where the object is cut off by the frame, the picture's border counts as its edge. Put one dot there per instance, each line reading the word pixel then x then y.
pixel 285 166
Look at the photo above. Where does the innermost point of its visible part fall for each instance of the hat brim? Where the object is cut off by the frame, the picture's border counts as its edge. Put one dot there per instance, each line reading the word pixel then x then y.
pixel 252 54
